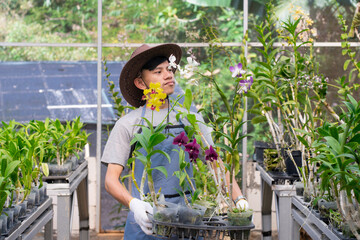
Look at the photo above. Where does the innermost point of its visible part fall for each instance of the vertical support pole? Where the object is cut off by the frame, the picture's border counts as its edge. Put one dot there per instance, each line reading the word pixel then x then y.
pixel 48 234
pixel 83 203
pixel 266 202
pixel 295 229
pixel 284 212
pixel 98 122
pixel 244 129
pixel 63 217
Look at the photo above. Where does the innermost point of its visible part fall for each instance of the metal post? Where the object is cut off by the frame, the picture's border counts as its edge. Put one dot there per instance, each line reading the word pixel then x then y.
pixel 266 202
pixel 64 205
pixel 83 204
pixel 244 129
pixel 98 122
pixel 283 209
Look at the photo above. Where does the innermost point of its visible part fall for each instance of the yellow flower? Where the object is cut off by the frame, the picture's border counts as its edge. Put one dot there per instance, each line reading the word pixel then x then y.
pixel 309 21
pixel 154 96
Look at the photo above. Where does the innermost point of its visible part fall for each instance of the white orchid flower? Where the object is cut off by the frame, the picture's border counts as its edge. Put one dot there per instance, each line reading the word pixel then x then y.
pixel 192 62
pixel 172 63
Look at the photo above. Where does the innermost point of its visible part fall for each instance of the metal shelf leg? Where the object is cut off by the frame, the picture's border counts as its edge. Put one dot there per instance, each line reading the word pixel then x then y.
pixel 63 217
pixel 83 203
pixel 266 200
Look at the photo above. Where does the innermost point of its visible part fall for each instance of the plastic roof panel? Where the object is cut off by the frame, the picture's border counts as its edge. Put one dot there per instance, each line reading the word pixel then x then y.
pixel 63 90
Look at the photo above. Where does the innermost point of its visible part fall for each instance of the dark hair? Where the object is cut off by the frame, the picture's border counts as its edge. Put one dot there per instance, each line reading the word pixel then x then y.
pixel 154 62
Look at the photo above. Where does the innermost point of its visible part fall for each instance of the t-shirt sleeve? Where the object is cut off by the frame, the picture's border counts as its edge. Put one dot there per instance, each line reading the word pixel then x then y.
pixel 117 147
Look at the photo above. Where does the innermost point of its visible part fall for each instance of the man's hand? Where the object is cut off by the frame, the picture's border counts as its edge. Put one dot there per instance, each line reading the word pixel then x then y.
pixel 242 204
pixel 139 208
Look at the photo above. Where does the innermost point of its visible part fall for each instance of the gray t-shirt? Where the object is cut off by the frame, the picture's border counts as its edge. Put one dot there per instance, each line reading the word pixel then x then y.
pixel 117 148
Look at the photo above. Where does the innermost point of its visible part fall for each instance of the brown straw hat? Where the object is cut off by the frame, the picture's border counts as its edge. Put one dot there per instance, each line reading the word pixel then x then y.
pixel 137 60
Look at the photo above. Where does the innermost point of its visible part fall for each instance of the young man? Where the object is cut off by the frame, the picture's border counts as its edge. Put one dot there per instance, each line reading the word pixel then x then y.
pixel 148 65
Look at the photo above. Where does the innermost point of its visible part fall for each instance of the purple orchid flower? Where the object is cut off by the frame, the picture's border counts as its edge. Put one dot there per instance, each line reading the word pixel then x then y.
pixel 210 154
pixel 237 70
pixel 244 85
pixel 181 139
pixel 193 149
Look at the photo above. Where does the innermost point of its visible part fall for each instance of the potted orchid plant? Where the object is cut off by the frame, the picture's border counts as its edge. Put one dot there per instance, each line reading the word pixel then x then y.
pixel 289 93
pixel 148 139
pixel 227 121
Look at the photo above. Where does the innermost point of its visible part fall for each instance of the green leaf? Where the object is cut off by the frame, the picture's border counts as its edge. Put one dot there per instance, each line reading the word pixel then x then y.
pixel 11 167
pixel 195 195
pixel 302 140
pixel 142 158
pixel 258 119
pixel 160 152
pixel 182 178
pixel 333 143
pixel 3 166
pixel 347 155
pixel 346 64
pixel 45 169
pixel 355 138
pixel 162 169
pixel 156 139
pixel 142 140
pixel 223 146
pixel 191 118
pixel 188 99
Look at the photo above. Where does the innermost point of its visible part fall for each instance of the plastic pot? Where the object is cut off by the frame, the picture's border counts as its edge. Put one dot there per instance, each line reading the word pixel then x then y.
pixel 60 170
pixel 81 157
pixel 240 218
pixel 192 216
pixel 31 199
pixel 259 150
pixel 165 212
pixel 5 223
pixel 291 168
pixel 75 162
pixel 210 207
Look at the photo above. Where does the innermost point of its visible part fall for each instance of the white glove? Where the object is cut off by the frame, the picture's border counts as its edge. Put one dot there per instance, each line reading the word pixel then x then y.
pixel 242 204
pixel 139 208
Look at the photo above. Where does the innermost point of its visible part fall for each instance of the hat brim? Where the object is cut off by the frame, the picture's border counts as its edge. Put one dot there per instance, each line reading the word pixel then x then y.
pixel 129 91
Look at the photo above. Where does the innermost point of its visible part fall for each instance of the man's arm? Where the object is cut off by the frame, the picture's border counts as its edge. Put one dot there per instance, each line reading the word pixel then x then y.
pixel 113 185
pixel 120 193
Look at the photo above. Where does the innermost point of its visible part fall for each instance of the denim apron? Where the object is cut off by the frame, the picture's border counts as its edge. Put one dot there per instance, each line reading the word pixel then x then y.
pixel 167 185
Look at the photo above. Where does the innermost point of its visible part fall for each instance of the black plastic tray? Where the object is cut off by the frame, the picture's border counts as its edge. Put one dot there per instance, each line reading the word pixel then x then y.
pixel 215 228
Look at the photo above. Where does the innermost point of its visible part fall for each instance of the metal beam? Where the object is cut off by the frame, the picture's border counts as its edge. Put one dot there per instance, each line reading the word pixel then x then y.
pixel 98 122
pixel 135 45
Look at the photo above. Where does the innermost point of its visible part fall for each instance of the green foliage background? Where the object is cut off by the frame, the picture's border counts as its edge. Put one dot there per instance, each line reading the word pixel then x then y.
pixel 124 21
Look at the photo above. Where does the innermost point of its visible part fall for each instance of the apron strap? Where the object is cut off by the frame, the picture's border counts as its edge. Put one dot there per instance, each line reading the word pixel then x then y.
pixel 176 194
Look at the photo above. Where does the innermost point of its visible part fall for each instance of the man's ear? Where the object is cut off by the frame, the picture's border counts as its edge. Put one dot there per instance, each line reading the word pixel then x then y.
pixel 139 83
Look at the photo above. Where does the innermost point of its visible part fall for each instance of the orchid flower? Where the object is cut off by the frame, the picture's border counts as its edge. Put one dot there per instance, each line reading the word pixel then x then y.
pixel 189 69
pixel 237 70
pixel 172 63
pixel 244 85
pixel 154 96
pixel 193 149
pixel 210 154
pixel 181 139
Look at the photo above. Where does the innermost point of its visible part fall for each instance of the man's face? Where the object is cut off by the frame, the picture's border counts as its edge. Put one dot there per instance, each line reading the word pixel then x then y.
pixel 161 74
